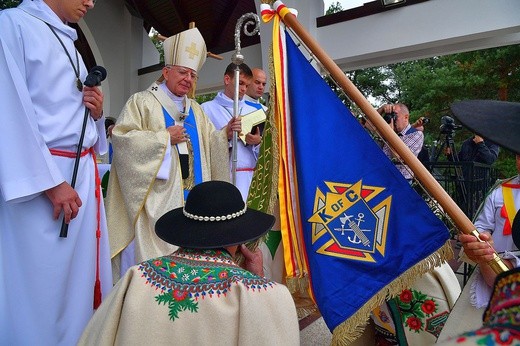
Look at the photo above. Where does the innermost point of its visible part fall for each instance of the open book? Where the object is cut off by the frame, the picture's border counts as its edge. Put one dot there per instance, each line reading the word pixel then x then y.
pixel 249 121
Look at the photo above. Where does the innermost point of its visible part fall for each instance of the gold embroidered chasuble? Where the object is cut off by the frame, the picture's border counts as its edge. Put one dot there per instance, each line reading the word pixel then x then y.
pixel 136 198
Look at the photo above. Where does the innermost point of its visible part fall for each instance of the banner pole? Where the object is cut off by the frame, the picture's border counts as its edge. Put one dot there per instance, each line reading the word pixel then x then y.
pixel 462 222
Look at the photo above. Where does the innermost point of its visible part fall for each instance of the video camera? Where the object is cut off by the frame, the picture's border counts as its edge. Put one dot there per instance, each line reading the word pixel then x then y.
pixel 448 125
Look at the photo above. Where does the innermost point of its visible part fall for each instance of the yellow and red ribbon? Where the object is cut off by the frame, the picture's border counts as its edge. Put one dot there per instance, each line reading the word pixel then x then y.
pixel 508 211
pixel 290 219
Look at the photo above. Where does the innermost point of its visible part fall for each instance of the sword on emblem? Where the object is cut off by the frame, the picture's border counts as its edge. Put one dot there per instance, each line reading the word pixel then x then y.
pixel 355 228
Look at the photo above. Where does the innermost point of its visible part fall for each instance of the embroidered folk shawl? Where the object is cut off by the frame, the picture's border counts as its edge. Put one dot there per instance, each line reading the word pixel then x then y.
pixel 418 314
pixel 194 297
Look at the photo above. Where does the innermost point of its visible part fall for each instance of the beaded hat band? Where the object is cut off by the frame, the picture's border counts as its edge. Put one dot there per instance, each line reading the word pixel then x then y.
pixel 215 218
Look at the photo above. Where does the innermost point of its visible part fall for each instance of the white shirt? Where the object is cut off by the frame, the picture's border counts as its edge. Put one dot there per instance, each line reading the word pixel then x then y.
pixel 220 111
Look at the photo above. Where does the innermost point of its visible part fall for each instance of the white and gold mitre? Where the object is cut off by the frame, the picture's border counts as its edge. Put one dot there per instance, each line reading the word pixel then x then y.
pixel 186 49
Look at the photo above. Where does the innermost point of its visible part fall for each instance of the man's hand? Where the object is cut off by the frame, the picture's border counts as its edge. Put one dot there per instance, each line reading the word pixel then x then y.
pixel 388 108
pixel 254 139
pixel 93 100
pixel 235 124
pixel 478 251
pixel 482 253
pixel 419 124
pixel 177 134
pixel 477 139
pixel 64 197
pixel 253 261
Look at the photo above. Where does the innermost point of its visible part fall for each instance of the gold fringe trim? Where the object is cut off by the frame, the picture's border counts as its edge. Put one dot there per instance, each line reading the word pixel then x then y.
pixel 297 285
pixel 352 328
pixel 299 288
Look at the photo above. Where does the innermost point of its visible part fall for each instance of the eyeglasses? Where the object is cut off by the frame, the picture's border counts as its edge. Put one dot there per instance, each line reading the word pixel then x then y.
pixel 183 72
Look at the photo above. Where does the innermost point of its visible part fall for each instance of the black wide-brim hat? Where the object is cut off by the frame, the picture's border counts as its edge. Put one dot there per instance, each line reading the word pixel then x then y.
pixel 214 216
pixel 497 121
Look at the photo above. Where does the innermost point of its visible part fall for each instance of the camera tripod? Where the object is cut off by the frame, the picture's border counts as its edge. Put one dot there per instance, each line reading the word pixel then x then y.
pixel 441 147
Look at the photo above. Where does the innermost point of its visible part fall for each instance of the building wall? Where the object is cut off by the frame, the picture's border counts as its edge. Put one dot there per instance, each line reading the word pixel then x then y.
pixel 120 44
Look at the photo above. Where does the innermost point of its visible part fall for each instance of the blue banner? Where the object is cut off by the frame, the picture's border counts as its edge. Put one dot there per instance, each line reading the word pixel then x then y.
pixel 363 225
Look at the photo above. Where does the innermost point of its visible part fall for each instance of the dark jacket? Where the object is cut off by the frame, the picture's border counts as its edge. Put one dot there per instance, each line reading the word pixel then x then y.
pixel 484 152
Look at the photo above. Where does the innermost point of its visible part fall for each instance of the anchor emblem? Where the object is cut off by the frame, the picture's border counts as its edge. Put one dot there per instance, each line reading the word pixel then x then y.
pixel 359 235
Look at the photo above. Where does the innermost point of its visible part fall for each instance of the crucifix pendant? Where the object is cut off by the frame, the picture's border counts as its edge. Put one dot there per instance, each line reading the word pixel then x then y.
pixel 79 85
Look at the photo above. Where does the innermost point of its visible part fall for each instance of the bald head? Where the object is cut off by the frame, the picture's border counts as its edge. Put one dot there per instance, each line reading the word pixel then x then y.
pixel 257 86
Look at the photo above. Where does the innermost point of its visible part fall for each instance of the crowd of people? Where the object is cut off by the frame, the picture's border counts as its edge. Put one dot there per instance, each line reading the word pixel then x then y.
pixel 173 222
pixel 163 146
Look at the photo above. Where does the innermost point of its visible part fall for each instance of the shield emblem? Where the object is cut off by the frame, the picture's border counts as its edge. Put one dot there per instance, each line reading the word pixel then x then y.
pixel 355 228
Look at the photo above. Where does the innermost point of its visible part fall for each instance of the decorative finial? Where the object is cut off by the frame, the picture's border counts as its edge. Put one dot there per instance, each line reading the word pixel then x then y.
pixel 249 19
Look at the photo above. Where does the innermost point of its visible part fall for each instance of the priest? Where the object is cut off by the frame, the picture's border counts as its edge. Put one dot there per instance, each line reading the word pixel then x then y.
pixel 163 146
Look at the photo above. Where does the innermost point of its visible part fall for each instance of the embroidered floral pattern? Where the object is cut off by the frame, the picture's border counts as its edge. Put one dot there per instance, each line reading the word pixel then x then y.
pixel 504 305
pixel 189 275
pixel 490 336
pixel 418 312
pixel 502 317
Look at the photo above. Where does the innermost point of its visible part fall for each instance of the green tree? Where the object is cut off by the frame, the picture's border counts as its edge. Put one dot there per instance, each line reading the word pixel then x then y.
pixel 377 82
pixel 206 97
pixel 430 86
pixel 334 8
pixel 154 36
pixel 9 3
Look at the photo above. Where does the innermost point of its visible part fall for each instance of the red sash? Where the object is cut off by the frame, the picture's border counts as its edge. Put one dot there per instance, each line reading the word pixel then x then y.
pixel 72 155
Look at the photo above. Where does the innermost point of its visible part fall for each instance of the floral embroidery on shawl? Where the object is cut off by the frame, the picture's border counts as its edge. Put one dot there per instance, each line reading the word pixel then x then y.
pixel 189 275
pixel 418 312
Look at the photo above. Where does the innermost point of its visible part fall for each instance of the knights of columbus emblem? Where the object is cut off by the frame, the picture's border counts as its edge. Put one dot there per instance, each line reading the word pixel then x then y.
pixel 346 223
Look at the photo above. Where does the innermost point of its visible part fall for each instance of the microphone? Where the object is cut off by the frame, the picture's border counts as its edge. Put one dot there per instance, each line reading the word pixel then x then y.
pixel 96 75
